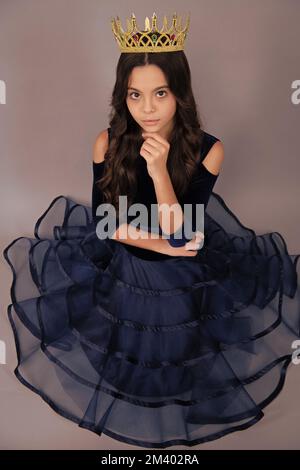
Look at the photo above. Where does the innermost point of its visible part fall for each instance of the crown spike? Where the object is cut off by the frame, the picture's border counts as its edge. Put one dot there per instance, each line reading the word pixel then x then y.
pixel 151 39
pixel 147 24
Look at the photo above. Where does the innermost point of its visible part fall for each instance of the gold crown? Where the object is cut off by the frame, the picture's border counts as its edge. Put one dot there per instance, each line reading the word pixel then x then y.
pixel 151 39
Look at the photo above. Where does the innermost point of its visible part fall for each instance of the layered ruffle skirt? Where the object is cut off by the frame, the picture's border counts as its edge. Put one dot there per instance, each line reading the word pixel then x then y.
pixel 177 351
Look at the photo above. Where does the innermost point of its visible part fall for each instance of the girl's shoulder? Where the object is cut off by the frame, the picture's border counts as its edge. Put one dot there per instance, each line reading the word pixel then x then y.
pixel 100 146
pixel 208 141
pixel 211 155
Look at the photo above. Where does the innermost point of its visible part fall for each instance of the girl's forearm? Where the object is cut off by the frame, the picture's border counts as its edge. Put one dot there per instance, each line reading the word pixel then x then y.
pixel 131 235
pixel 166 198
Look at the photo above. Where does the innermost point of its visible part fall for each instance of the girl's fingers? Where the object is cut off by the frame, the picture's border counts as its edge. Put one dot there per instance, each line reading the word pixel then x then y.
pixel 195 243
pixel 191 253
pixel 192 245
pixel 199 236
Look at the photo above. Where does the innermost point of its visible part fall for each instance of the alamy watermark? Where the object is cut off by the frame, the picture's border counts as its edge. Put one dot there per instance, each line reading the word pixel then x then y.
pixel 2 352
pixel 192 214
pixel 295 96
pixel 296 353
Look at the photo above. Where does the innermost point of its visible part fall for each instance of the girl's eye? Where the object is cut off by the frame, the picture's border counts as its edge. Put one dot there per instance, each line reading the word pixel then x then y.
pixel 136 93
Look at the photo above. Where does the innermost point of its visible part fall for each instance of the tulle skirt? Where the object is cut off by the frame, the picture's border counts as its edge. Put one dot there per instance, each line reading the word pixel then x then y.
pixel 182 350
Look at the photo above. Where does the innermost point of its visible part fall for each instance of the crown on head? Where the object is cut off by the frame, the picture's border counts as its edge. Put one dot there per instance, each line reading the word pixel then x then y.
pixel 151 39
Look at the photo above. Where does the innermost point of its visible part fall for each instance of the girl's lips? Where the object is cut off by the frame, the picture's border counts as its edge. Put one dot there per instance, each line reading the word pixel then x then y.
pixel 151 122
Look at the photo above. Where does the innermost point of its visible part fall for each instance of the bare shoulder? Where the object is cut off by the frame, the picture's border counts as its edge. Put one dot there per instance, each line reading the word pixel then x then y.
pixel 100 146
pixel 214 159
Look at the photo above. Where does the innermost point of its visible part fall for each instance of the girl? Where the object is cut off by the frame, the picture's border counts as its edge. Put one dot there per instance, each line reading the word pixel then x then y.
pixel 153 340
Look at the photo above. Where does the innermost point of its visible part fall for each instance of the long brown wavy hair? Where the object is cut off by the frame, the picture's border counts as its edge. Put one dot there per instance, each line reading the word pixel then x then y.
pixel 119 177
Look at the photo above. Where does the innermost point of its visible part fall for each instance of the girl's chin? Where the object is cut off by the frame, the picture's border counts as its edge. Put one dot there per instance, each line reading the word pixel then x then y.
pixel 148 127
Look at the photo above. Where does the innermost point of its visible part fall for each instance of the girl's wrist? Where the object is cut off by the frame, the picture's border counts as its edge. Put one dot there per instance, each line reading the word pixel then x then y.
pixel 161 177
pixel 164 246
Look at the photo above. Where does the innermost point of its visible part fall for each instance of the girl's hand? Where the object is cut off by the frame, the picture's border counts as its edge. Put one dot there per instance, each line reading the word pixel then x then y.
pixel 155 150
pixel 189 249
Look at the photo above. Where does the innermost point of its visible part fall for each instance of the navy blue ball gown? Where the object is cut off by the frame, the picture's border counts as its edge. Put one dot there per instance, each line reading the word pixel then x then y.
pixel 150 349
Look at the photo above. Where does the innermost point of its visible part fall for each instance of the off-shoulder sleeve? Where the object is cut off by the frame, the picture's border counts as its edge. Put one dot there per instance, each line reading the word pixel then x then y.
pixel 97 195
pixel 97 200
pixel 199 191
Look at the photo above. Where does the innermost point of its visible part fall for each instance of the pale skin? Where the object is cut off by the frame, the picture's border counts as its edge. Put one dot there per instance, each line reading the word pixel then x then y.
pixel 156 101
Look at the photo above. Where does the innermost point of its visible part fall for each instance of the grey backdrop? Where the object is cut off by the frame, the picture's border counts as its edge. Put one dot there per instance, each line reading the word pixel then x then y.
pixel 58 60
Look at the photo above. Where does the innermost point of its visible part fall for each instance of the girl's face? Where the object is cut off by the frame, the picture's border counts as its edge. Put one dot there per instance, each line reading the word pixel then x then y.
pixel 148 97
